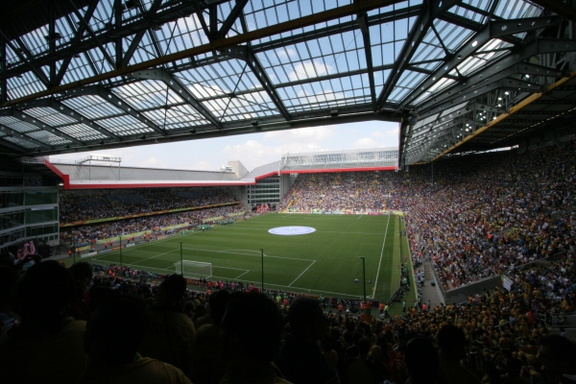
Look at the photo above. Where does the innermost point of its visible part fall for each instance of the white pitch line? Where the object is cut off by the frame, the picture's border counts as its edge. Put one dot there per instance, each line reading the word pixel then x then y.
pixel 381 257
pixel 303 272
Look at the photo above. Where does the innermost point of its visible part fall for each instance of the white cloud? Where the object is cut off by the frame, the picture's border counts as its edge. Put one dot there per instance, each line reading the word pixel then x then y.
pixel 309 69
pixel 365 143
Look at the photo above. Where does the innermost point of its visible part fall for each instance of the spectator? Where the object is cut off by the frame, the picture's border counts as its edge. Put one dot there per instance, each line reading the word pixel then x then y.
pixel 208 360
pixel 301 359
pixel 171 333
pixel 452 343
pixel 558 357
pixel 82 273
pixel 251 331
pixel 8 318
pixel 113 334
pixel 47 347
pixel 422 363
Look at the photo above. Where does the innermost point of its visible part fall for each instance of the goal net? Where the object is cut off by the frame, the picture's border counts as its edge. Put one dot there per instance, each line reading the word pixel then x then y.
pixel 198 269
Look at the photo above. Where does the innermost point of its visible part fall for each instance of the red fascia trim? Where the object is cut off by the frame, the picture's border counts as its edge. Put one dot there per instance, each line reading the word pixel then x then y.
pixel 265 176
pixel 156 185
pixel 341 170
pixel 65 178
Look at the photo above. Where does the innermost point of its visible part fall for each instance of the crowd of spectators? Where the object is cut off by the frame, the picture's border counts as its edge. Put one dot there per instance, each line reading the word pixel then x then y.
pixel 496 337
pixel 474 217
pixel 497 213
pixel 78 206
pixel 125 206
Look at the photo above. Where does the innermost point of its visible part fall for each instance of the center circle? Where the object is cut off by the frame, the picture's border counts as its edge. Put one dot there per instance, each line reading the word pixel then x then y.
pixel 291 231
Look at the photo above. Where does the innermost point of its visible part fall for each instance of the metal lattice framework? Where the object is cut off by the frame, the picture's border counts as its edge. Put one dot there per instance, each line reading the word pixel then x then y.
pixel 459 76
pixel 385 158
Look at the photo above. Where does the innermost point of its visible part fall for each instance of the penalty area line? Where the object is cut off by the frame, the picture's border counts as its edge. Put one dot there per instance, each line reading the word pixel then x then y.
pixel 303 272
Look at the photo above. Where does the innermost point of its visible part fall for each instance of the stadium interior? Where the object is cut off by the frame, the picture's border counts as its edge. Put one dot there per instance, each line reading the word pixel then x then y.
pixel 484 93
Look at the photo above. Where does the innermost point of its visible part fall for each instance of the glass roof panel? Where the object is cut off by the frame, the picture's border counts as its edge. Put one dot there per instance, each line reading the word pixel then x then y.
pixel 98 61
pixel 21 142
pixel 263 13
pixel 50 116
pixel 380 78
pixel 452 35
pixel 387 40
pixel 102 15
pixel 49 138
pixel 260 103
pixel 490 51
pixel 147 94
pixel 171 37
pixel 395 8
pixel 176 117
pixel 517 9
pixel 469 12
pixel 218 79
pixel 124 125
pixel 326 94
pixel 438 86
pixel 82 132
pixel 92 106
pixel 240 110
pixel 217 107
pixel 35 41
pixel 24 85
pixel 79 68
pixel 406 83
pixel 16 124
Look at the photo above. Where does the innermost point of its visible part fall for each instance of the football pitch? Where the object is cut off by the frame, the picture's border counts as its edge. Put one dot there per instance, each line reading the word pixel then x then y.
pixel 328 255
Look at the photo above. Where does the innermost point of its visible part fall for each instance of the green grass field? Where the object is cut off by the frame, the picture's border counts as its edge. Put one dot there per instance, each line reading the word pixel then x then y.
pixel 325 262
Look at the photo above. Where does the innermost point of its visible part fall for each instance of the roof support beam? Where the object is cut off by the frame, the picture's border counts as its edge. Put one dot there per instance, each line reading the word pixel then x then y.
pixel 22 115
pixel 491 30
pixel 402 62
pixel 175 85
pixel 246 54
pixel 217 44
pixel 498 72
pixel 61 108
pixel 13 133
pixel 101 91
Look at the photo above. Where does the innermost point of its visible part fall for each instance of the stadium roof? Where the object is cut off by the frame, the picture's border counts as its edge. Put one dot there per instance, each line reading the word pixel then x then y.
pixel 459 76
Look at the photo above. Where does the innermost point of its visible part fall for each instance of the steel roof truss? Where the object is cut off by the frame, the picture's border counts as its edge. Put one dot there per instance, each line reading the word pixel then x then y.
pixel 176 86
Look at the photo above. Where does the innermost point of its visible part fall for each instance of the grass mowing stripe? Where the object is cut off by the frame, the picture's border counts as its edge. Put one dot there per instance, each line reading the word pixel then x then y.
pixel 326 261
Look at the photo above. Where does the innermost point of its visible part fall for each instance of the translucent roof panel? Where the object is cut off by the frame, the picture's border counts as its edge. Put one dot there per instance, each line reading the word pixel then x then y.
pixel 82 132
pixel 176 117
pixel 326 94
pixel 51 116
pixel 147 94
pixel 124 126
pixel 145 71
pixel 92 107
pixel 17 125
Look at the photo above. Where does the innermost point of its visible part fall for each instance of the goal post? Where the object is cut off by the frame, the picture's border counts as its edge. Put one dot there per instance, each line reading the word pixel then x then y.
pixel 194 269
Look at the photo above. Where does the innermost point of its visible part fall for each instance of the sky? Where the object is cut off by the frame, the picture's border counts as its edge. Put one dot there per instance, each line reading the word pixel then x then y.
pixel 252 150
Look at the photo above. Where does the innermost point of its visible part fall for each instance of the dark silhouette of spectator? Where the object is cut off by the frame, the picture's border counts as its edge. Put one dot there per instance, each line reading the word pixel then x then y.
pixel 171 333
pixel 452 343
pixel 208 362
pixel 421 361
pixel 47 347
pixel 8 318
pixel 359 370
pixel 557 355
pixel 113 334
pixel 83 274
pixel 301 358
pixel 251 332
